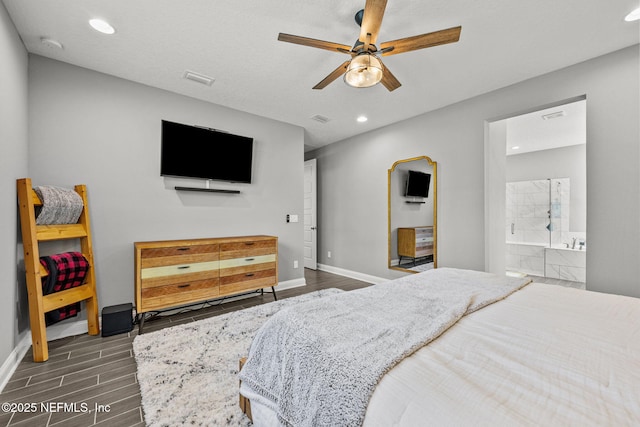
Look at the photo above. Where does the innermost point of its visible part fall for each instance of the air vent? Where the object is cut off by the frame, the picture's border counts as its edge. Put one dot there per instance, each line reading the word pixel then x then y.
pixel 198 78
pixel 554 115
pixel 321 119
pixel 54 44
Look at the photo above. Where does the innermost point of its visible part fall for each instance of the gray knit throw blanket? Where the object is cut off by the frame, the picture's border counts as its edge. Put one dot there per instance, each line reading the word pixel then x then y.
pixel 317 363
pixel 59 205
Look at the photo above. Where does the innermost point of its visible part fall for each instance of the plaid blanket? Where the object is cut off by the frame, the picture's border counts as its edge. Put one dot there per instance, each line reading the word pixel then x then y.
pixel 66 270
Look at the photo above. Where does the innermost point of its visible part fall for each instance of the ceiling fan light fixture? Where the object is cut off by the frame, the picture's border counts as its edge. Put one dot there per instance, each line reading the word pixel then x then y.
pixel 364 70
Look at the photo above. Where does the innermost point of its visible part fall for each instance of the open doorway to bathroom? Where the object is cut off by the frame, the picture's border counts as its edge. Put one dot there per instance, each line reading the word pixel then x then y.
pixel 545 193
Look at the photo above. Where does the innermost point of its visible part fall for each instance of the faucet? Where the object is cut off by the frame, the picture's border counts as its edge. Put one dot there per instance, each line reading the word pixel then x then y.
pixel 573 243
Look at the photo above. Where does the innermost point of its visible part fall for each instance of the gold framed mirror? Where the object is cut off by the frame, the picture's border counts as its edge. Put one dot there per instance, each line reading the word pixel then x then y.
pixel 412 214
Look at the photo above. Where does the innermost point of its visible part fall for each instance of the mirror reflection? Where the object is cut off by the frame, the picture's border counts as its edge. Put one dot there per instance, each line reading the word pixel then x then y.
pixel 412 214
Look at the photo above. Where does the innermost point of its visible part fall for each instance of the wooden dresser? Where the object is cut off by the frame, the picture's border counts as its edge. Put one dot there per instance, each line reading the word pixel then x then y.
pixel 415 242
pixel 180 272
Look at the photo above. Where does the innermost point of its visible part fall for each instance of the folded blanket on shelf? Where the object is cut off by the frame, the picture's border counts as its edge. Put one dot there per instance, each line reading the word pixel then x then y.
pixel 59 205
pixel 66 270
pixel 317 363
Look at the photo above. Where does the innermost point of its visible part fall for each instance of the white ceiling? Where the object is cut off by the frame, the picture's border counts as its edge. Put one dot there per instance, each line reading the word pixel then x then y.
pixel 555 127
pixel 235 42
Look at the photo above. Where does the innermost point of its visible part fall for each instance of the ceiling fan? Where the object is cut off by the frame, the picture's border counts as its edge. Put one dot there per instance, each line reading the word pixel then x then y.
pixel 365 69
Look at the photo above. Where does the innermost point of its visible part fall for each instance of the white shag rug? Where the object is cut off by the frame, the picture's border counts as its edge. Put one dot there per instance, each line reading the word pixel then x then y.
pixel 422 267
pixel 188 374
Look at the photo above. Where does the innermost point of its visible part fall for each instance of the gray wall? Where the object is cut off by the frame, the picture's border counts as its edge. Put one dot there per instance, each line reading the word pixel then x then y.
pixel 91 128
pixel 352 174
pixel 13 165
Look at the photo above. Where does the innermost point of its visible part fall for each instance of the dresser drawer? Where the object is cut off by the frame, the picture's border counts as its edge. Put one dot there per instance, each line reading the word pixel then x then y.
pixel 248 281
pixel 248 248
pixel 424 240
pixel 230 269
pixel 420 252
pixel 184 287
pixel 157 257
pixel 424 232
pixel 179 270
pixel 176 294
pixel 179 250
pixel 247 261
pixel 182 278
pixel 424 245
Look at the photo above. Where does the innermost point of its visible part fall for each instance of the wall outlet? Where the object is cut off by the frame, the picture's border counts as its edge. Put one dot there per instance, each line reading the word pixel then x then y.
pixel 328 254
pixel 295 263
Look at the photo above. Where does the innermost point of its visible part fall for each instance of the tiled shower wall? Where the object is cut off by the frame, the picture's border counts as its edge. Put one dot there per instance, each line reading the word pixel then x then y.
pixel 538 211
pixel 537 218
pixel 528 259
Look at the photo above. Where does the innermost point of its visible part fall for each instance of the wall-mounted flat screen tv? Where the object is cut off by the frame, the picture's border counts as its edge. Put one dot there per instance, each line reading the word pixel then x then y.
pixel 417 184
pixel 198 152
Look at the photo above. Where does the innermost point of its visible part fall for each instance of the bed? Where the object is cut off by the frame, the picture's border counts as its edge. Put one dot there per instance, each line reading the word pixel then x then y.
pixel 537 355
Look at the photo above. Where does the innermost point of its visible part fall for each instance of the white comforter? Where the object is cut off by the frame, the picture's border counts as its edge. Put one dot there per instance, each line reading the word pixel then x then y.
pixel 546 355
pixel 317 363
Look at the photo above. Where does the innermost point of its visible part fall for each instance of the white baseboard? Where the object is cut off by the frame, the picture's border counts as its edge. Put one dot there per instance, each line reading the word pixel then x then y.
pixel 289 284
pixel 352 274
pixel 15 357
pixel 54 332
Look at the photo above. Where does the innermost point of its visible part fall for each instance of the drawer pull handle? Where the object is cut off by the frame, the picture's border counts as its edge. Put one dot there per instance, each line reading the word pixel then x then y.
pixel 249 275
pixel 184 286
pixel 249 259
pixel 249 243
pixel 182 267
pixel 183 249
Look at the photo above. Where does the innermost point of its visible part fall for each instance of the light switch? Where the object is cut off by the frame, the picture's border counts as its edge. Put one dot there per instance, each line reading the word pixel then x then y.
pixel 292 218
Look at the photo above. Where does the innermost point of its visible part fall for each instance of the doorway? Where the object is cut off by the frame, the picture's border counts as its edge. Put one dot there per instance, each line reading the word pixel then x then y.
pixel 536 194
pixel 310 215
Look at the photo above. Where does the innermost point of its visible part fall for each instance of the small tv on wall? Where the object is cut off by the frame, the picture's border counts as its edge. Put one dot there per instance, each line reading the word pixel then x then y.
pixel 199 152
pixel 417 184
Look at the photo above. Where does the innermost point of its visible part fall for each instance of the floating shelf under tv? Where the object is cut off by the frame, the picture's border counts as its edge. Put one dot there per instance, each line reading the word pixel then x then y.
pixel 207 190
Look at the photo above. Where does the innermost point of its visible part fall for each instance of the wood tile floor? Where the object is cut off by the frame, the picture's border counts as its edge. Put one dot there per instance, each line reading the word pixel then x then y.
pixel 88 372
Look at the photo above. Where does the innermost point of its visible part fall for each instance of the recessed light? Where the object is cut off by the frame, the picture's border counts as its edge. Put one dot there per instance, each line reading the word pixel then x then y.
pixel 362 119
pixel 633 16
pixel 515 147
pixel 102 26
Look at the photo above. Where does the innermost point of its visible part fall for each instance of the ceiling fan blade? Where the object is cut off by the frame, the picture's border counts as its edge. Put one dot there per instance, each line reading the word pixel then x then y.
pixel 389 80
pixel 372 19
pixel 334 75
pixel 320 44
pixel 450 35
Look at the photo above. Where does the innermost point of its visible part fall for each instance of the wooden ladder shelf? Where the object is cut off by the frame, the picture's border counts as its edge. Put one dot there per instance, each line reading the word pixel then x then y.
pixel 32 234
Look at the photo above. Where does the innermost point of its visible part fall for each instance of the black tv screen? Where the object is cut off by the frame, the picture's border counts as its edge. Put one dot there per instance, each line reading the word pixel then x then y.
pixel 196 152
pixel 417 184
